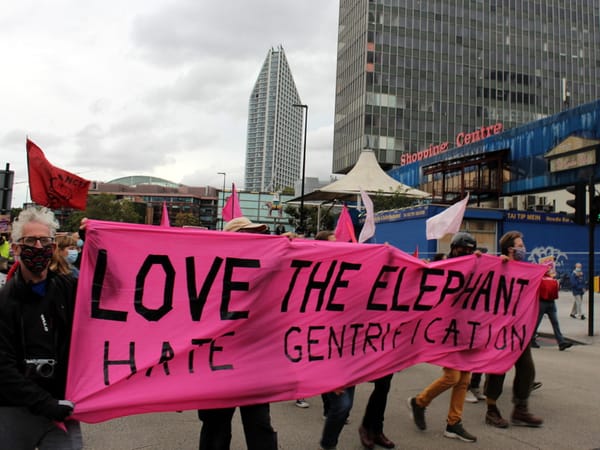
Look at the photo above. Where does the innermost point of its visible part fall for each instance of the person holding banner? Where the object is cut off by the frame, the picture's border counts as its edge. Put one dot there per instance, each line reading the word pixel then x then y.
pixel 462 244
pixel 512 248
pixel 256 419
pixel 36 315
pixel 371 428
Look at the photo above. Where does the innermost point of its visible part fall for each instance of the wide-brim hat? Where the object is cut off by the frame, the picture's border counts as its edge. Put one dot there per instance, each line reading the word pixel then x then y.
pixel 243 223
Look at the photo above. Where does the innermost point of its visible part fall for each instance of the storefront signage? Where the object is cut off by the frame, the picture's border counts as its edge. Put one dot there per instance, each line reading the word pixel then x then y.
pixel 461 139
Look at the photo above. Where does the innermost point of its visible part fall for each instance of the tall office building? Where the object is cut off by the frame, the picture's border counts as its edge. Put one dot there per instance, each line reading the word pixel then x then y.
pixel 416 73
pixel 274 141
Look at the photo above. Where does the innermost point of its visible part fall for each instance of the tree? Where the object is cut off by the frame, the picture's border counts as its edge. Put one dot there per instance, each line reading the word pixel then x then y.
pixel 395 201
pixel 310 219
pixel 183 219
pixel 106 207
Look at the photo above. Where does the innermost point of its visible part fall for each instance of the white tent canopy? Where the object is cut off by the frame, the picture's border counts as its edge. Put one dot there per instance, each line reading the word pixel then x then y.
pixel 366 175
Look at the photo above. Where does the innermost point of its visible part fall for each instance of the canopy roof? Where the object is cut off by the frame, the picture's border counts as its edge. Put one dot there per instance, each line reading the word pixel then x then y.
pixel 366 175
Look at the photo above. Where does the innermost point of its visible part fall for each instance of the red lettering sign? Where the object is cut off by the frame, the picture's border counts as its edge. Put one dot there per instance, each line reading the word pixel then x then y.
pixel 478 135
pixel 461 139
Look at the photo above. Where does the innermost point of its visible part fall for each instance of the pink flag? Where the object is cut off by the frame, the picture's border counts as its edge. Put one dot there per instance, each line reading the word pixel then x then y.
pixel 344 231
pixel 447 221
pixel 368 229
pixel 232 209
pixel 164 219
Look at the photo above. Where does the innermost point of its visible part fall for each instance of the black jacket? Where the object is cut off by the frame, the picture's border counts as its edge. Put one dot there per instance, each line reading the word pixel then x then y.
pixel 35 327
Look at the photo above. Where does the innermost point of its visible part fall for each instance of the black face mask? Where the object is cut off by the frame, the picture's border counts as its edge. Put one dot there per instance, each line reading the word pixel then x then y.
pixel 36 259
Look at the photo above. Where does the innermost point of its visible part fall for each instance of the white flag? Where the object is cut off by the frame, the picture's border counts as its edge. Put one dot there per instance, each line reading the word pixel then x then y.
pixel 447 221
pixel 368 229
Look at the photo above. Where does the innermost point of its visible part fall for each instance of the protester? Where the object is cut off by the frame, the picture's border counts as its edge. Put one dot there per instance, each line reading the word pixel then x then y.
pixel 474 393
pixel 339 405
pixel 578 286
pixel 6 257
pixel 548 294
pixel 65 255
pixel 371 428
pixel 336 404
pixel 512 248
pixel 256 419
pixel 462 244
pixel 36 314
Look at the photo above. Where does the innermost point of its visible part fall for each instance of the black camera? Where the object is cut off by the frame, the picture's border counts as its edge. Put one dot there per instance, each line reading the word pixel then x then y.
pixel 43 368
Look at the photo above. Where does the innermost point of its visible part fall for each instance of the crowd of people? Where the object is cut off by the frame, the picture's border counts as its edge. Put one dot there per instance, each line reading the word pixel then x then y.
pixel 36 314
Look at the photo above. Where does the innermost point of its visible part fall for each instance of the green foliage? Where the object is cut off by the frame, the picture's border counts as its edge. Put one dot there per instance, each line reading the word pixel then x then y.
pixel 183 219
pixel 388 202
pixel 310 218
pixel 106 207
pixel 14 213
pixel 328 219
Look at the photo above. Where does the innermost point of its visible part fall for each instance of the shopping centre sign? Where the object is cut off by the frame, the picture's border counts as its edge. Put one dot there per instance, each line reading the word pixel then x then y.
pixel 461 139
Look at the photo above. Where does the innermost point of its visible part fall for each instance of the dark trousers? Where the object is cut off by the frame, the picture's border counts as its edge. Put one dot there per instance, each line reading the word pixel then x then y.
pixel 375 411
pixel 524 376
pixel 549 308
pixel 475 380
pixel 22 430
pixel 256 420
pixel 339 410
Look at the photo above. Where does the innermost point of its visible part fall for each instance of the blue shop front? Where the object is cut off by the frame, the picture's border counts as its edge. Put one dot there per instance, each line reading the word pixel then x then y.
pixel 545 234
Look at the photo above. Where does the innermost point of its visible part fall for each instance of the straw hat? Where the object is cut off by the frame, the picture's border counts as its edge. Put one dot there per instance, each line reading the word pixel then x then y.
pixel 244 224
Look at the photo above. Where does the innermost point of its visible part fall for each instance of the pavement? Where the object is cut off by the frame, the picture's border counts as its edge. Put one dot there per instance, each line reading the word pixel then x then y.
pixel 569 402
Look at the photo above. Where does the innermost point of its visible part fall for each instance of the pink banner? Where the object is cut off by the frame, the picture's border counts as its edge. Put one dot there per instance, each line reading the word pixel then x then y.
pixel 176 318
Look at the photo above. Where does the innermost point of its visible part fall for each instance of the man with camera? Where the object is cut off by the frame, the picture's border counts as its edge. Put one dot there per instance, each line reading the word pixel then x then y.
pixel 36 314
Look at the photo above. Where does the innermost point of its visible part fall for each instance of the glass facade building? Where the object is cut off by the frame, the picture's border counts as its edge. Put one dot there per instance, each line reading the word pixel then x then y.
pixel 412 74
pixel 274 138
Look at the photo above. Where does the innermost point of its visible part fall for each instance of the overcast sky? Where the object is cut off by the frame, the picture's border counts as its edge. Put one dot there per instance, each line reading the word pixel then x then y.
pixel 156 87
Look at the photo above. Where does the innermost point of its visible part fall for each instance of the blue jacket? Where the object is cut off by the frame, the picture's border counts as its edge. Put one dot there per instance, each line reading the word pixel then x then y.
pixel 578 284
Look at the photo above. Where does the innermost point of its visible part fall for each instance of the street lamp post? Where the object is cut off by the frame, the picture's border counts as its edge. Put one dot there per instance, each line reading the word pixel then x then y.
pixel 223 196
pixel 305 107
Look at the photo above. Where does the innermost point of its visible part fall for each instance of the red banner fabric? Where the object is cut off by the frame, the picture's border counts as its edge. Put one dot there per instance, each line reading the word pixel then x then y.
pixel 51 186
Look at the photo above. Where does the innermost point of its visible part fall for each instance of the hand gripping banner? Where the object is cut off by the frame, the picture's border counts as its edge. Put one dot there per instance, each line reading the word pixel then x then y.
pixel 175 318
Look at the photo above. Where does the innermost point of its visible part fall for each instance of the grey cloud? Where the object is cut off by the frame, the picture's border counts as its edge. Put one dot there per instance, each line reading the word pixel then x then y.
pixel 192 30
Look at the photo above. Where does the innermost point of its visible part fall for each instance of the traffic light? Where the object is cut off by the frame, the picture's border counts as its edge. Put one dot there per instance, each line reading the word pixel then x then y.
pixel 595 212
pixel 577 203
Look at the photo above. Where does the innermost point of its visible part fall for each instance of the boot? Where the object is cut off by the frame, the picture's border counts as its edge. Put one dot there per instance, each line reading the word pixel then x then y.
pixel 494 418
pixel 522 417
pixel 366 438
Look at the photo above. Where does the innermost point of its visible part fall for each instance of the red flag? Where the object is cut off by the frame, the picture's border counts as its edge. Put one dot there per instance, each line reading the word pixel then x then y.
pixel 164 218
pixel 51 186
pixel 416 252
pixel 344 230
pixel 232 209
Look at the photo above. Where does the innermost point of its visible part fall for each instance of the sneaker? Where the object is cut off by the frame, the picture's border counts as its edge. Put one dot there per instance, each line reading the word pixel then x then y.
pixel 417 413
pixel 534 344
pixel 301 403
pixel 493 418
pixel 477 393
pixel 470 397
pixel 582 317
pixel 564 345
pixel 536 385
pixel 573 316
pixel 457 431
